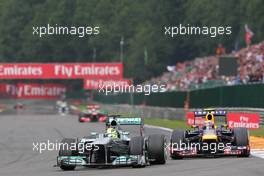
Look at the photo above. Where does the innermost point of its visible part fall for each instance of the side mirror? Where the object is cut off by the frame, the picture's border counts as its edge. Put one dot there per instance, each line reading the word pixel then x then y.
pixel 194 126
pixel 125 133
pixel 94 133
pixel 224 125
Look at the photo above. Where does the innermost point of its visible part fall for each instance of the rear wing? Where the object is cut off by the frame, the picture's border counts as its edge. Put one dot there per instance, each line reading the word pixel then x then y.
pixel 92 106
pixel 125 120
pixel 214 112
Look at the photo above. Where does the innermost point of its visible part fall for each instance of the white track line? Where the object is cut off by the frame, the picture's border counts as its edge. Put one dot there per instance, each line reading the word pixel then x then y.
pixel 254 152
pixel 160 128
pixel 259 153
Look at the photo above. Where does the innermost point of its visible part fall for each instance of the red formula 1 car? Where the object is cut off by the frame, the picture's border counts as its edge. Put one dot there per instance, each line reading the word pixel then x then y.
pixel 92 114
pixel 19 106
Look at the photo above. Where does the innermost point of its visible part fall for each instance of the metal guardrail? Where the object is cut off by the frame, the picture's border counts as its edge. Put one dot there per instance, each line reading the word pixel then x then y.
pixel 172 113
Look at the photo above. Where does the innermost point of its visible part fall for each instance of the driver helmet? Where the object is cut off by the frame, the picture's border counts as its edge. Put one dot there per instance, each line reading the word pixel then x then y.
pixel 112 130
pixel 208 125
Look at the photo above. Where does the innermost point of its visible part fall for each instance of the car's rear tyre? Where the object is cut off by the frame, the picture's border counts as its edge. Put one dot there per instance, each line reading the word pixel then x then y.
pixel 241 139
pixel 65 151
pixel 177 139
pixel 156 149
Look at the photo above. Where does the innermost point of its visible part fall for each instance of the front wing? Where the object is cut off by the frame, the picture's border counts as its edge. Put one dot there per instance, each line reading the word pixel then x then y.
pixel 118 161
pixel 232 151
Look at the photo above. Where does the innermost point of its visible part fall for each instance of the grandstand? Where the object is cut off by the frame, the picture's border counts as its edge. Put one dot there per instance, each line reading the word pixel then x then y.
pixel 203 72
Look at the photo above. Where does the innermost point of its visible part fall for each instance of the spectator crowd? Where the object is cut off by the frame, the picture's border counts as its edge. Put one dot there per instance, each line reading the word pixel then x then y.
pixel 190 74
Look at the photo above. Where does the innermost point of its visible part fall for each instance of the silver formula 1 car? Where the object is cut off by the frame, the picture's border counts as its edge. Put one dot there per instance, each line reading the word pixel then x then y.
pixel 100 150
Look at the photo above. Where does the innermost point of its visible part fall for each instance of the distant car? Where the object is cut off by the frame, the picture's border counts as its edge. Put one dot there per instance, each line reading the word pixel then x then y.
pixel 19 105
pixel 107 149
pixel 210 138
pixel 92 113
pixel 62 107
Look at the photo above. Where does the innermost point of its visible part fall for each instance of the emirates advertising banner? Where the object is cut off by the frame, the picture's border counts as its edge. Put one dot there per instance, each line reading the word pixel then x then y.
pixel 32 91
pixel 247 120
pixel 234 120
pixel 61 71
pixel 90 84
pixel 192 120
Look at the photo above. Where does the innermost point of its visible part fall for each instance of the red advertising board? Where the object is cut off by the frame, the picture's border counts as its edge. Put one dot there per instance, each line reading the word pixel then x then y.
pixel 32 91
pixel 191 120
pixel 250 121
pixel 90 84
pixel 61 71
pixel 3 88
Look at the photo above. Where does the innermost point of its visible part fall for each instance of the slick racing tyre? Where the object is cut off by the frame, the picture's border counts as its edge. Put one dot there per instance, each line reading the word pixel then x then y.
pixel 157 149
pixel 241 139
pixel 136 147
pixel 177 138
pixel 65 151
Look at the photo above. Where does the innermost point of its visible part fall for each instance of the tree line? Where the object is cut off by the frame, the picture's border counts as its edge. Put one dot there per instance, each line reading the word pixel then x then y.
pixel 138 25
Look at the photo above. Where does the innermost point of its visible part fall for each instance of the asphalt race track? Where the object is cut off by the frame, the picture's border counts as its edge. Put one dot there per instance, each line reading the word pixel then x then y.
pixel 19 130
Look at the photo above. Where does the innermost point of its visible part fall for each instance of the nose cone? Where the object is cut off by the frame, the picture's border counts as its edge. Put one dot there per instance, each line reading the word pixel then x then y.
pixel 209 138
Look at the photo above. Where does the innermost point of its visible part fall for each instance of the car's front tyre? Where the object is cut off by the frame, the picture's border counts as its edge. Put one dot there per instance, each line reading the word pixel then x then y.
pixel 177 138
pixel 241 139
pixel 157 149
pixel 66 151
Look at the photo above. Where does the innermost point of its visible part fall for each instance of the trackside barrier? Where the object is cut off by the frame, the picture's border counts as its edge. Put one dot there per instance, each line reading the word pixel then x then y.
pixel 227 96
pixel 170 113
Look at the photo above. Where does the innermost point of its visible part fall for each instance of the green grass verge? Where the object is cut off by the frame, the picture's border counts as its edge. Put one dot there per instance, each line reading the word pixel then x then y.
pixel 173 124
pixel 259 132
